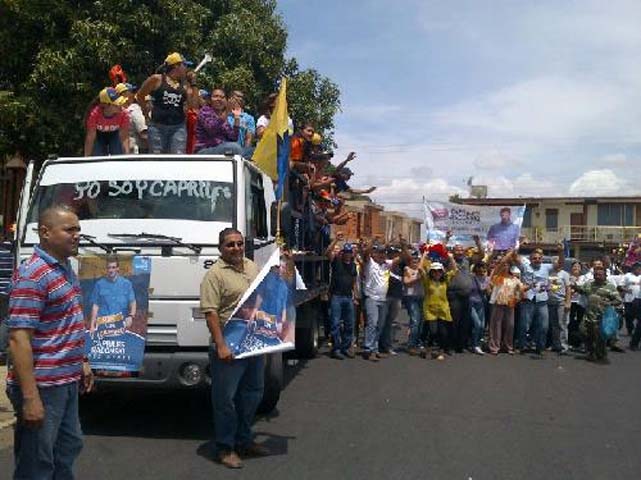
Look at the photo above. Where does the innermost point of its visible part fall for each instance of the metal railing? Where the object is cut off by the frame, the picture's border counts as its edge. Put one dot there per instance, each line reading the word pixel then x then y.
pixel 582 233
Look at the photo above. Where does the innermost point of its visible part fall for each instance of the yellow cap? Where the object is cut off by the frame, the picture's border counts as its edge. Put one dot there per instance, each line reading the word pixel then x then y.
pixel 109 96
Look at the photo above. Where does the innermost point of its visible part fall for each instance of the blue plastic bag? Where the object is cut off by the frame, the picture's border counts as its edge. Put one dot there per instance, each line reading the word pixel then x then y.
pixel 609 323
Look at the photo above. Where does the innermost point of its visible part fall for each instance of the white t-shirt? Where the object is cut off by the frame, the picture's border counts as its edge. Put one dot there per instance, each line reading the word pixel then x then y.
pixel 263 121
pixel 631 283
pixel 377 279
pixel 137 125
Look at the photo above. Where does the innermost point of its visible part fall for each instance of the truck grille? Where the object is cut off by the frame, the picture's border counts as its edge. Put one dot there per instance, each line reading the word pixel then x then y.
pixel 162 334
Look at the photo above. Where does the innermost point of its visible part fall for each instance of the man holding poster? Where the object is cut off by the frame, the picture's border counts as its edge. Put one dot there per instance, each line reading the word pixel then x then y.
pixel 237 384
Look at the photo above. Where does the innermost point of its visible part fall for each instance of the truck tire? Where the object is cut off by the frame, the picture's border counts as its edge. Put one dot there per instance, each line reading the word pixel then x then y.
pixel 273 382
pixel 307 335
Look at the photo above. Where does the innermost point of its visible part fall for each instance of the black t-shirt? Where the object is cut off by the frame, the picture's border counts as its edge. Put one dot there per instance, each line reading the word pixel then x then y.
pixel 343 275
pixel 395 289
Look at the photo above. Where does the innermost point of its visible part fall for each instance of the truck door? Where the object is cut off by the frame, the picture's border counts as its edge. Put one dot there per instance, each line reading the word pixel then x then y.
pixel 256 227
pixel 23 208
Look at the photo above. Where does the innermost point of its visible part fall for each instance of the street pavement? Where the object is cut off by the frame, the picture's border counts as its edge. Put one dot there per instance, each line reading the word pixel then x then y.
pixel 468 417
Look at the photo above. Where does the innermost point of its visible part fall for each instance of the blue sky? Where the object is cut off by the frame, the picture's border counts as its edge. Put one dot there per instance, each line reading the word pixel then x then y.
pixel 529 98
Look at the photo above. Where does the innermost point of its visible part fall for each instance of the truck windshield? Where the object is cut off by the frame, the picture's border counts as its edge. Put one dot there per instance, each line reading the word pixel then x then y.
pixel 151 199
pixel 183 198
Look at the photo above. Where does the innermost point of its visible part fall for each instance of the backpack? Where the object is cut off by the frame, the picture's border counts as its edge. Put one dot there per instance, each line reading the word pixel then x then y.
pixel 609 323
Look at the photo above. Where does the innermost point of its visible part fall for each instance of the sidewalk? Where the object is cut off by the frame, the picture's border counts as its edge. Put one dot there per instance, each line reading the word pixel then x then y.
pixel 6 410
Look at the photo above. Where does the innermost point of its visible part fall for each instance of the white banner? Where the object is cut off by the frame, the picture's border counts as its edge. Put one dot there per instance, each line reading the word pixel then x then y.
pixel 500 226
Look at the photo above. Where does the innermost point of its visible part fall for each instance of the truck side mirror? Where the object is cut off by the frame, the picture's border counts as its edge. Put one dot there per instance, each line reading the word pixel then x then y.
pixel 285 219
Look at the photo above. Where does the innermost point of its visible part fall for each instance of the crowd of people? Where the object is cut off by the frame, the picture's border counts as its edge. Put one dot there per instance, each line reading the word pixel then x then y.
pixel 477 300
pixel 169 114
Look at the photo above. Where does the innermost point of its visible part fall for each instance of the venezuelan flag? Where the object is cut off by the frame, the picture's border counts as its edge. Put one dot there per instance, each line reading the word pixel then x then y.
pixel 272 152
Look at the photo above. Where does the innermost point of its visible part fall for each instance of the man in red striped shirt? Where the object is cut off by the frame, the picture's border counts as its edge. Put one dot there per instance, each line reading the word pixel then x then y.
pixel 48 367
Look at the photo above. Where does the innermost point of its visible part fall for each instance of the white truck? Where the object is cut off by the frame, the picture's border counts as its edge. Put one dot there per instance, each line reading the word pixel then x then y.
pixel 171 208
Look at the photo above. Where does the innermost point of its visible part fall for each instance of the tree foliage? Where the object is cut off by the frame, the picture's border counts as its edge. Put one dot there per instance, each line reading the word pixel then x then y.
pixel 57 54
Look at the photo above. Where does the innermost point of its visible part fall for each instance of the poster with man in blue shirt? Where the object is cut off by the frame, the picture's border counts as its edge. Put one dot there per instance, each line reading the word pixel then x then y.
pixel 116 310
pixel 504 235
pixel 264 321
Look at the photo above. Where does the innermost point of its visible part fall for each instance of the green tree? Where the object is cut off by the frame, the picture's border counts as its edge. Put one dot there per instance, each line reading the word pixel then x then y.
pixel 57 54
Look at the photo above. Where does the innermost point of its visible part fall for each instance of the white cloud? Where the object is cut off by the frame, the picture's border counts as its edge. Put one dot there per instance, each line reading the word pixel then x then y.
pixel 408 189
pixel 601 183
pixel 496 159
pixel 616 159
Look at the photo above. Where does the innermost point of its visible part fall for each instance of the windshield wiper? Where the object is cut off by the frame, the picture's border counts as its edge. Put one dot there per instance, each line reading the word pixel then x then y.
pixel 158 236
pixel 91 240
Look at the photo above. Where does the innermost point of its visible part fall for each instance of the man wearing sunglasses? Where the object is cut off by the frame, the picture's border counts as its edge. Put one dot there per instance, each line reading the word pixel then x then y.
pixel 237 385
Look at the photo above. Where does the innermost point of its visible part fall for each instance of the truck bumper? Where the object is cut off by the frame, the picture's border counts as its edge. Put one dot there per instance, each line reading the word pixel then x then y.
pixel 165 370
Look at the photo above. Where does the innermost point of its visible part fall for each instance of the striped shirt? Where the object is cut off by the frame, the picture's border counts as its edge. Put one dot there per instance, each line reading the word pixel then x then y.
pixel 46 298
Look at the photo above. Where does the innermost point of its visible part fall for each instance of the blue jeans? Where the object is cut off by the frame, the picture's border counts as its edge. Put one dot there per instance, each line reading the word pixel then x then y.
pixel 49 451
pixel 385 341
pixel 414 310
pixel 107 143
pixel 167 138
pixel 342 315
pixel 534 315
pixel 236 392
pixel 477 313
pixel 232 147
pixel 376 312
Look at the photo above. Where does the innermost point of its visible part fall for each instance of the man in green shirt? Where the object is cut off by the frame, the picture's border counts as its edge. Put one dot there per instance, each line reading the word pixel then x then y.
pixel 600 294
pixel 237 385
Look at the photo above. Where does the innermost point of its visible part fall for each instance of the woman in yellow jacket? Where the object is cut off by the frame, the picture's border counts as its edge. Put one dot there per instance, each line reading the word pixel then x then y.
pixel 436 308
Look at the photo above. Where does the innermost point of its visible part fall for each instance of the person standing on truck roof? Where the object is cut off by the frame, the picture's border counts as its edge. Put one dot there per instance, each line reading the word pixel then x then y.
pixel 107 125
pixel 237 385
pixel 48 367
pixel 169 90
pixel 214 135
pixel 137 120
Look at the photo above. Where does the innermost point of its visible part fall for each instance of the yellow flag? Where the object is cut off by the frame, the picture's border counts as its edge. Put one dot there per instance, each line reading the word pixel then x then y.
pixel 266 153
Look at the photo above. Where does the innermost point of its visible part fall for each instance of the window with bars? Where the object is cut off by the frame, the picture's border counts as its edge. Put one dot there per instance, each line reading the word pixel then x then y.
pixel 615 214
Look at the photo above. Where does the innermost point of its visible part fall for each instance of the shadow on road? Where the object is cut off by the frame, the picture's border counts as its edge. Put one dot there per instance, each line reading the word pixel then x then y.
pixel 160 414
pixel 277 445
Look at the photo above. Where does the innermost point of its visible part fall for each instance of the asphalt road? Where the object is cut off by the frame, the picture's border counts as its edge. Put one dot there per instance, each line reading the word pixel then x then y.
pixel 468 417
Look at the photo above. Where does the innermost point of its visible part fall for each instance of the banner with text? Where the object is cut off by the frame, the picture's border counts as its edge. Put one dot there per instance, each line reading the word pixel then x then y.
pixel 265 319
pixel 115 290
pixel 500 226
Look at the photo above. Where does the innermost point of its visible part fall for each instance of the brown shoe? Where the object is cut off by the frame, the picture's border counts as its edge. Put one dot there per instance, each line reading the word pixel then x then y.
pixel 349 353
pixel 382 355
pixel 370 356
pixel 254 450
pixel 412 351
pixel 230 459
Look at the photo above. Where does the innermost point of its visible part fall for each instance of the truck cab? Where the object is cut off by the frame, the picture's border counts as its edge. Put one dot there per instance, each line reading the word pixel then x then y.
pixel 170 208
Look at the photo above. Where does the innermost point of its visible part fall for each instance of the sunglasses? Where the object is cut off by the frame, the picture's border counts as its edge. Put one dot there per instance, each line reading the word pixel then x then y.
pixel 234 244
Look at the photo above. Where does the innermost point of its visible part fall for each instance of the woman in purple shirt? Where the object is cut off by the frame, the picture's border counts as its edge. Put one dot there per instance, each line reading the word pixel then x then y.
pixel 214 135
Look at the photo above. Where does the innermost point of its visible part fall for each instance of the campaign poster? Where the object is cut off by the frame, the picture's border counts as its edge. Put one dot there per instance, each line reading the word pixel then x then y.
pixel 265 319
pixel 498 226
pixel 115 290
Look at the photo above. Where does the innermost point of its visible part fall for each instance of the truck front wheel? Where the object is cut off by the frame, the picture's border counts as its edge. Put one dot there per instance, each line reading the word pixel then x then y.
pixel 273 382
pixel 307 334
